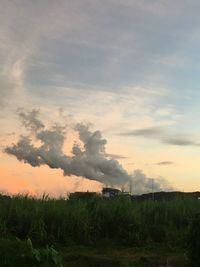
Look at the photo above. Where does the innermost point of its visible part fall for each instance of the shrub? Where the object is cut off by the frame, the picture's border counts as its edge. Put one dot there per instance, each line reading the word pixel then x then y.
pixel 15 252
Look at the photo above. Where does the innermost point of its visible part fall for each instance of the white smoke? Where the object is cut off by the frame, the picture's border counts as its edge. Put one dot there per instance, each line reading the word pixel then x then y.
pixel 143 184
pixel 89 160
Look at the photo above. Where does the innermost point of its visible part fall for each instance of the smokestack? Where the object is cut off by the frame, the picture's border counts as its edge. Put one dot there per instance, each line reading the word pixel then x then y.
pixel 130 187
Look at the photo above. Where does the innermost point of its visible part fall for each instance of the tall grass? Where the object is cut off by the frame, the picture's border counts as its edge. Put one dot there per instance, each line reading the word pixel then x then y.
pixel 96 221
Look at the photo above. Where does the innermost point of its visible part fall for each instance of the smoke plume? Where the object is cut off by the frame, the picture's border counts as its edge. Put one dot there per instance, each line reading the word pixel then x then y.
pixel 88 160
pixel 143 184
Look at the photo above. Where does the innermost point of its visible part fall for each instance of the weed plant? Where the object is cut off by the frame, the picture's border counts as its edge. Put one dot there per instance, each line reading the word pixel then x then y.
pixel 120 221
pixel 15 252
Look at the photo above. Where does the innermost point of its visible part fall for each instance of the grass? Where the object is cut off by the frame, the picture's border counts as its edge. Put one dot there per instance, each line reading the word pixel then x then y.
pixel 123 257
pixel 140 229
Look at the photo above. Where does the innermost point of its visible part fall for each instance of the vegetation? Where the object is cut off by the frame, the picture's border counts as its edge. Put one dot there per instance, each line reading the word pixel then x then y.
pixel 96 222
pixel 15 252
pixel 194 242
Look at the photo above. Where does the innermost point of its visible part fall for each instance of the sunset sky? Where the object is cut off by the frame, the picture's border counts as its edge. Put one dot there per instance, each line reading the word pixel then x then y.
pixel 130 69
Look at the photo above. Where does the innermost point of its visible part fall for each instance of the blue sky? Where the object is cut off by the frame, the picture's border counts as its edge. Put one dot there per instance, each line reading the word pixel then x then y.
pixel 121 65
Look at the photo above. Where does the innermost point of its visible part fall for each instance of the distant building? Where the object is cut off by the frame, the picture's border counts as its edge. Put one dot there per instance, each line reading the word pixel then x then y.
pixel 110 192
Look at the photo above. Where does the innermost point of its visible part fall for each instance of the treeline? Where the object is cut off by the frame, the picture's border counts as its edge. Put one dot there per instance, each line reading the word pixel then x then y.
pixel 98 221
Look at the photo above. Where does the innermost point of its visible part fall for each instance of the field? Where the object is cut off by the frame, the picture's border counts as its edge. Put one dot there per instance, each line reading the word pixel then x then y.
pixel 99 232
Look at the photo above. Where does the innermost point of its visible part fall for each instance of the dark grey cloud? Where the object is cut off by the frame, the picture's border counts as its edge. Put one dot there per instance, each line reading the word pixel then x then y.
pixel 145 132
pixel 88 160
pixel 162 135
pixel 180 141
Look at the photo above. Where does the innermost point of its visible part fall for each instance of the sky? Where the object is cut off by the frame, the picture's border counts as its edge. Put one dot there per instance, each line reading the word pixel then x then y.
pixel 127 69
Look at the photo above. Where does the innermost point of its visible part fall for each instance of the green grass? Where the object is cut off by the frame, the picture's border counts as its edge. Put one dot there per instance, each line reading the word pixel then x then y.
pixel 99 222
pixel 95 221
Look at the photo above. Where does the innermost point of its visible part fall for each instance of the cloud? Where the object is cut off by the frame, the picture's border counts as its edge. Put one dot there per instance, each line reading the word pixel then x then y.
pixel 145 132
pixel 84 47
pixel 115 156
pixel 88 156
pixel 164 163
pixel 121 43
pixel 180 142
pixel 161 134
pixel 6 89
